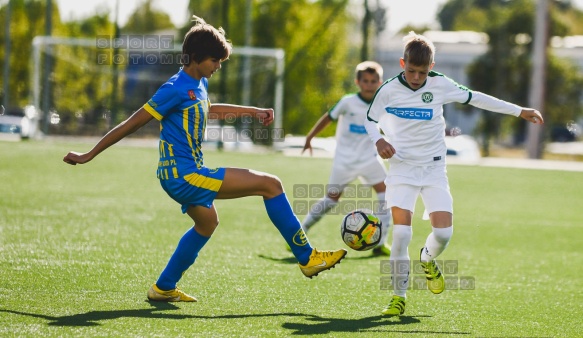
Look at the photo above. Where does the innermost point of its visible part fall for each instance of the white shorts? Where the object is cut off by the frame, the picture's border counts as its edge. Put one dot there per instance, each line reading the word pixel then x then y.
pixel 370 173
pixel 406 182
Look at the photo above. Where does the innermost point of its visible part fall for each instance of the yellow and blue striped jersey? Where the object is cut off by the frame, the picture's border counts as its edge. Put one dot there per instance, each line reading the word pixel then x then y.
pixel 181 105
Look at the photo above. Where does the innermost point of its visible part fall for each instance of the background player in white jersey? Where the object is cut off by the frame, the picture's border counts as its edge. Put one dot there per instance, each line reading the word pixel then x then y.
pixel 355 155
pixel 409 110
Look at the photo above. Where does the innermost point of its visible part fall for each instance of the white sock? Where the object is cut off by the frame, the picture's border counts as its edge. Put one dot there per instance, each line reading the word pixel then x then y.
pixel 400 261
pixel 436 242
pixel 385 217
pixel 318 210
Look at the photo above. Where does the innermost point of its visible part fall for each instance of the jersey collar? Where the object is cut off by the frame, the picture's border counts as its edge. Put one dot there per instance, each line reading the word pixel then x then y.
pixel 363 99
pixel 404 82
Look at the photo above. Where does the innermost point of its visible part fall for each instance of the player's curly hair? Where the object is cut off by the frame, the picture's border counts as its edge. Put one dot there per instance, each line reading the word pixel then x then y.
pixel 419 50
pixel 203 41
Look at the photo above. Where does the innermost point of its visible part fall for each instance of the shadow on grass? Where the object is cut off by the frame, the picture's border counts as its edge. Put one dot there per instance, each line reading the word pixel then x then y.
pixel 286 260
pixel 327 326
pixel 313 325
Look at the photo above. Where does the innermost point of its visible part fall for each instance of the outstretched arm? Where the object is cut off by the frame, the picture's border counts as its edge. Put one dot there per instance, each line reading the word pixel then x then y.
pixel 491 103
pixel 322 123
pixel 129 126
pixel 221 111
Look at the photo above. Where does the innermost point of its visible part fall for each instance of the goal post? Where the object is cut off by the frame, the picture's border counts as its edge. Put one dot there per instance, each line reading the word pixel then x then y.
pixel 254 75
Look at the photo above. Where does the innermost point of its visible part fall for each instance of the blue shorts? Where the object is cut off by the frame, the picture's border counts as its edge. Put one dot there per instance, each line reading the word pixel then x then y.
pixel 197 188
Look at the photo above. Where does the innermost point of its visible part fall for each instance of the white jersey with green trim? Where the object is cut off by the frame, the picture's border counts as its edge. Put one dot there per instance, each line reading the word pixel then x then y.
pixel 353 146
pixel 413 121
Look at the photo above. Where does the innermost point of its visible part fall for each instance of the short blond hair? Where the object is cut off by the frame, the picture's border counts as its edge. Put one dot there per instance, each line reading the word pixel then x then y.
pixel 369 67
pixel 419 50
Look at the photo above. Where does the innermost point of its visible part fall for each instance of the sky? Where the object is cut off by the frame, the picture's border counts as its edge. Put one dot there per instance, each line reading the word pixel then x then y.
pixel 401 12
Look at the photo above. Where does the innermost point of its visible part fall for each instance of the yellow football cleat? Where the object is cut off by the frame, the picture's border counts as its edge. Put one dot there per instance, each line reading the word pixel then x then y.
pixel 396 307
pixel 435 280
pixel 176 295
pixel 382 250
pixel 321 260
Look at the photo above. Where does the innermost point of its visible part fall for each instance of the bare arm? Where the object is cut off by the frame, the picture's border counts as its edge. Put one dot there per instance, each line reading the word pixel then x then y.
pixel 221 111
pixel 127 127
pixel 322 123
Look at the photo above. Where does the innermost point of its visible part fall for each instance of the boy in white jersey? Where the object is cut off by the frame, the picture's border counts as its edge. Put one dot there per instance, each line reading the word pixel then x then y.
pixel 409 110
pixel 355 155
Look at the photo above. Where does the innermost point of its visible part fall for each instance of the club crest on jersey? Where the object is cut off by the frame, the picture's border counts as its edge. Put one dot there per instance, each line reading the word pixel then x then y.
pixel 427 97
pixel 191 94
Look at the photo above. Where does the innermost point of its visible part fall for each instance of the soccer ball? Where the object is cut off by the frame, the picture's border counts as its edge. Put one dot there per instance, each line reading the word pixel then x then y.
pixel 361 230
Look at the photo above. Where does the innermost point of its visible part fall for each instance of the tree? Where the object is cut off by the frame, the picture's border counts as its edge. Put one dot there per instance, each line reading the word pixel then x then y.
pixel 26 22
pixel 505 70
pixel 82 88
pixel 477 15
pixel 318 63
pixel 146 19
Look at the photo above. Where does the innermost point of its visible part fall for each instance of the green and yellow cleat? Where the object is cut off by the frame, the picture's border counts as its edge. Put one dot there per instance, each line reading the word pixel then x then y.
pixel 396 307
pixel 321 260
pixel 176 295
pixel 435 280
pixel 382 250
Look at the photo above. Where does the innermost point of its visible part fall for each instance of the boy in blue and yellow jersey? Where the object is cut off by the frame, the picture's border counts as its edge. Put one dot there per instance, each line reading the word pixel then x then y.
pixel 182 107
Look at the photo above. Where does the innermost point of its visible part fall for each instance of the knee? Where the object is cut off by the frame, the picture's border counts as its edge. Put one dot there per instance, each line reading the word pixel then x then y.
pixel 443 235
pixel 207 228
pixel 273 186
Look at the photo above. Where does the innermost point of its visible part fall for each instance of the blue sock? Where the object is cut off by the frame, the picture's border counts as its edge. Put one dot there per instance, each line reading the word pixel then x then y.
pixel 280 212
pixel 188 248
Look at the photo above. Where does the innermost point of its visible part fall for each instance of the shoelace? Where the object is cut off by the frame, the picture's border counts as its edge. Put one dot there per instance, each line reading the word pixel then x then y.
pixel 396 302
pixel 322 253
pixel 430 270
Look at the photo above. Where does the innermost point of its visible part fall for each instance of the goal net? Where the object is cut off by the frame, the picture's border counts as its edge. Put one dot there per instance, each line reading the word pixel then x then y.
pixel 84 87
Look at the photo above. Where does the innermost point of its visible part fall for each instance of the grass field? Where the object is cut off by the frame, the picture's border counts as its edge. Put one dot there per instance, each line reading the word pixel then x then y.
pixel 79 247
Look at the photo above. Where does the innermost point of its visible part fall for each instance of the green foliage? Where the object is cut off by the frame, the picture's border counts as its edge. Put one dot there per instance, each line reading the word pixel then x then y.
pixel 505 70
pixel 80 246
pixel 479 15
pixel 318 68
pixel 82 88
pixel 318 65
pixel 417 29
pixel 27 21
pixel 564 90
pixel 147 20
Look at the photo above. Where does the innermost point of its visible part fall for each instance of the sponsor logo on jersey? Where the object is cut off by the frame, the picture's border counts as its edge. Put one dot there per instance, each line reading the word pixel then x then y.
pixel 191 94
pixel 300 238
pixel 357 129
pixel 411 113
pixel 427 97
